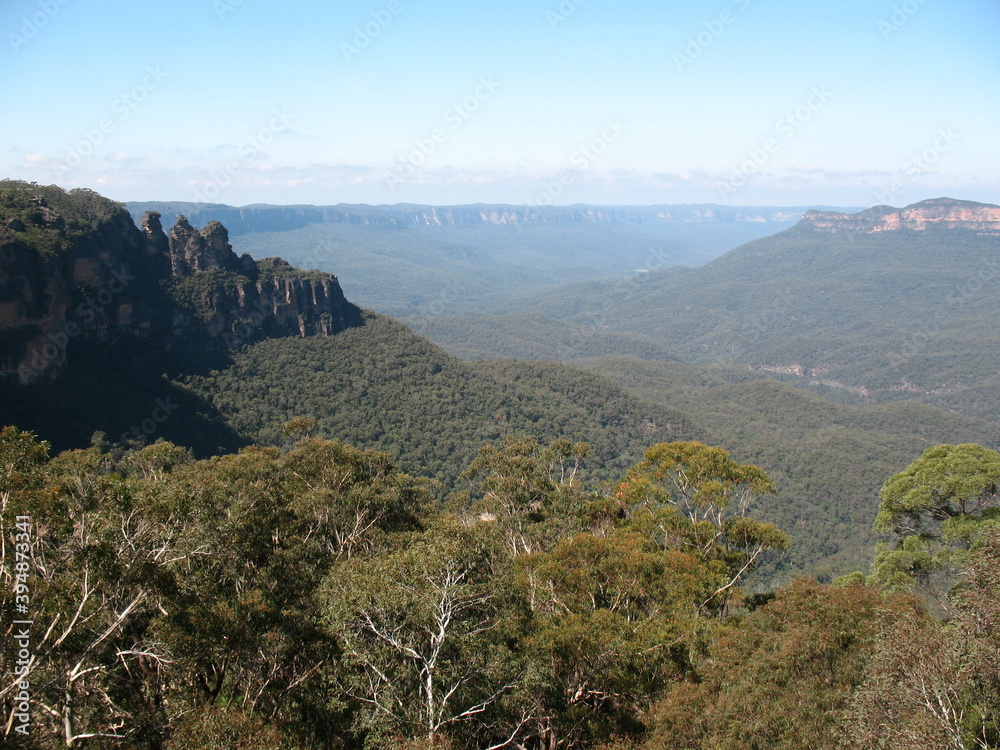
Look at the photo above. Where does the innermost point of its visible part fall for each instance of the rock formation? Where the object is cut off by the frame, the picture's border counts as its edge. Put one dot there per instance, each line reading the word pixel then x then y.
pixel 939 212
pixel 76 271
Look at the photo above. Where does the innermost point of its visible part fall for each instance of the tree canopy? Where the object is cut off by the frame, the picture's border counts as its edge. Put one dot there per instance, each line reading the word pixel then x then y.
pixel 937 510
pixel 315 596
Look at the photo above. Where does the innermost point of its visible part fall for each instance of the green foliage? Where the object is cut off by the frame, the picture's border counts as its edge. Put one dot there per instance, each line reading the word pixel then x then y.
pixel 933 684
pixel 937 508
pixel 199 293
pixel 531 336
pixel 162 587
pixel 317 597
pixel 379 386
pixel 423 634
pixel 50 221
pixel 855 317
pixel 829 460
pixel 276 268
pixel 780 679
pixel 614 619
pixel 225 729
pixel 695 498
pixel 946 482
pixel 529 492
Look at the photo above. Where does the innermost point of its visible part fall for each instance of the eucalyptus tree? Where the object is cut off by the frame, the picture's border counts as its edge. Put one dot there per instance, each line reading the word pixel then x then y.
pixel 425 634
pixel 99 570
pixel 695 498
pixel 935 512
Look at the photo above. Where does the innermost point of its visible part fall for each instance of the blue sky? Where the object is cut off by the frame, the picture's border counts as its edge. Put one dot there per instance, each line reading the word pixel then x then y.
pixel 741 102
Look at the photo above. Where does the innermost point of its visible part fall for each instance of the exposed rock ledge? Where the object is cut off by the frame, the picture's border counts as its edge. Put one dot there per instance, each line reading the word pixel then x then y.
pixel 96 279
pixel 939 212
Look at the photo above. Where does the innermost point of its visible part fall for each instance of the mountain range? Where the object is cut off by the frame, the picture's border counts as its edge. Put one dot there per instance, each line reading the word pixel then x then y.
pixel 135 334
pixel 882 305
pixel 419 261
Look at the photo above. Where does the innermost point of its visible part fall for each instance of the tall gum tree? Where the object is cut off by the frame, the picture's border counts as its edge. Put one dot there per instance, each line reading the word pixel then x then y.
pixel 421 631
pixel 937 510
pixel 695 498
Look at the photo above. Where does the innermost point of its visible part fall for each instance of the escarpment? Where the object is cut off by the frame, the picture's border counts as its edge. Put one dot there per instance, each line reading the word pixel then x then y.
pixel 76 272
pixel 944 213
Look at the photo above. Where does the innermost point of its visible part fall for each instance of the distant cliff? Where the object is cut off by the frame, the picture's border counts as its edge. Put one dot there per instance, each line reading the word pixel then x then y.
pixel 267 218
pixel 76 271
pixel 938 212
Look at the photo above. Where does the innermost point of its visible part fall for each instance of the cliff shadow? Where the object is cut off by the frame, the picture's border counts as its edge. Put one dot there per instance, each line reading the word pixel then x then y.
pixel 128 398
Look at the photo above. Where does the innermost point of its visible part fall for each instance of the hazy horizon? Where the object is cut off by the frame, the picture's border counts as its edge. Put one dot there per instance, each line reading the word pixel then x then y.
pixel 511 205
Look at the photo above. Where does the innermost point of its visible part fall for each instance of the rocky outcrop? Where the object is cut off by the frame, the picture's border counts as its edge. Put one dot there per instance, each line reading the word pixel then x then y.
pixel 192 251
pixel 940 212
pixel 75 271
pixel 272 306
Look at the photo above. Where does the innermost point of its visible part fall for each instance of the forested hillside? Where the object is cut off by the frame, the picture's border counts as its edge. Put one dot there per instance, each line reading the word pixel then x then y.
pixel 533 335
pixel 380 386
pixel 828 459
pixel 854 312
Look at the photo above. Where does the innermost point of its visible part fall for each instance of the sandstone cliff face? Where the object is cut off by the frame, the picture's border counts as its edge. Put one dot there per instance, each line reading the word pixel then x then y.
pixel 192 251
pixel 52 297
pixel 940 212
pixel 98 279
pixel 270 307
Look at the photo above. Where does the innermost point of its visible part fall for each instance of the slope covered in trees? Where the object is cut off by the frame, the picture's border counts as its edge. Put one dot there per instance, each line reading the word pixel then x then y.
pixel 829 459
pixel 380 386
pixel 854 313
